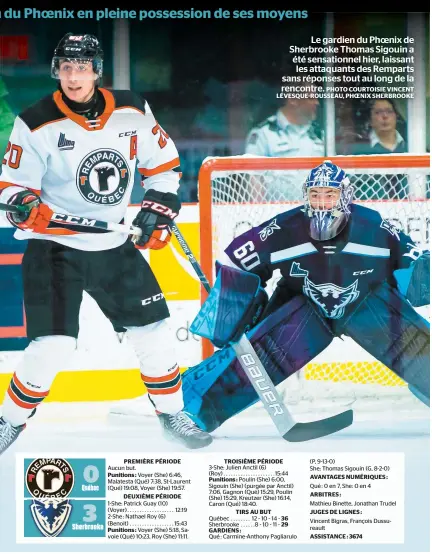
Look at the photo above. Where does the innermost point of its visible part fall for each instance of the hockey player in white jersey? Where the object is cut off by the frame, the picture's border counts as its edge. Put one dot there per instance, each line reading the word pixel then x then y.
pixel 76 151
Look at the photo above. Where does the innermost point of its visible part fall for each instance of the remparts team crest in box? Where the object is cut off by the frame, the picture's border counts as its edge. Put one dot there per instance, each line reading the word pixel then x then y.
pixel 60 497
pixel 50 481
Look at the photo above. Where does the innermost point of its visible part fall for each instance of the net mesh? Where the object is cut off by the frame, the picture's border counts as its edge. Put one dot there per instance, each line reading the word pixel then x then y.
pixel 243 198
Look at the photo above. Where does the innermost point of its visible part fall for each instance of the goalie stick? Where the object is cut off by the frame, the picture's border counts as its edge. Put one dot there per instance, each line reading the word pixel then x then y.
pixel 287 427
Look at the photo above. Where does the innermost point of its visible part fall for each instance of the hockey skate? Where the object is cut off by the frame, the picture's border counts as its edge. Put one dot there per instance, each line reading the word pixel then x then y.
pixel 180 428
pixel 8 434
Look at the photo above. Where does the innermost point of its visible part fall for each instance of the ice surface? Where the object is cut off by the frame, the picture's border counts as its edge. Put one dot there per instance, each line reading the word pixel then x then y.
pixel 83 428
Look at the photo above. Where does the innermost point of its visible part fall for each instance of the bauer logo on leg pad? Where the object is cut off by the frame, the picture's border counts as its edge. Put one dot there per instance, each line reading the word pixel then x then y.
pixel 262 384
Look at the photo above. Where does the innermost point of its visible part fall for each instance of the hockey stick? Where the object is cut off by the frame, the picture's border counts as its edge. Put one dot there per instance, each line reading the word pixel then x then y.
pixel 263 385
pixel 82 224
pixel 246 355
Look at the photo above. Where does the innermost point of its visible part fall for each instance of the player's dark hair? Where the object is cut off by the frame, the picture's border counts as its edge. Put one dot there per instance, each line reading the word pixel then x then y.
pixel 389 100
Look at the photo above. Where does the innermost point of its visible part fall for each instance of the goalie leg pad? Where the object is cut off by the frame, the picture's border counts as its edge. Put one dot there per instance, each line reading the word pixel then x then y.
pixel 217 388
pixel 233 305
pixel 387 327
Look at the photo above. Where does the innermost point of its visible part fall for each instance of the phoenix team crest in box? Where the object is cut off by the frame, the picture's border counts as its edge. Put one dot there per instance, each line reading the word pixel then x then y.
pixel 51 515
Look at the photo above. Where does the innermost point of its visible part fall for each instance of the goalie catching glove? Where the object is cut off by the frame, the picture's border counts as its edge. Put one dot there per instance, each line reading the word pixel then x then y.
pixel 36 218
pixel 158 211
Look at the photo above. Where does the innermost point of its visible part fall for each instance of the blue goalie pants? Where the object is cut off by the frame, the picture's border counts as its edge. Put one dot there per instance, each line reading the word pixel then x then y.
pixel 389 328
pixel 384 324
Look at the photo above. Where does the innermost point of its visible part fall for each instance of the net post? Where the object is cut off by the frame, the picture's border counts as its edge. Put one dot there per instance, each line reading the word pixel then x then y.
pixel 206 233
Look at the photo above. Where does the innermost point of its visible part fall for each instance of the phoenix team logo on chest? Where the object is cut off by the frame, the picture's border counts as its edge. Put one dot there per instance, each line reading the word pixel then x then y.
pixel 103 177
pixel 331 298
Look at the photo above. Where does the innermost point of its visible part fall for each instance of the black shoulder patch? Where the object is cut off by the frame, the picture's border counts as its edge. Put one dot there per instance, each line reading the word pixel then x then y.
pixel 263 123
pixel 273 126
pixel 270 123
pixel 125 98
pixel 43 112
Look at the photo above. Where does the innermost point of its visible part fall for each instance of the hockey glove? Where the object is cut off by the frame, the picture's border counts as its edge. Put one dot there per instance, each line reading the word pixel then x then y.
pixel 38 216
pixel 158 210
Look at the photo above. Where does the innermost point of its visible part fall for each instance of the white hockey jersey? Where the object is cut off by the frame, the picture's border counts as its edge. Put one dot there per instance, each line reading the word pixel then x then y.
pixel 86 168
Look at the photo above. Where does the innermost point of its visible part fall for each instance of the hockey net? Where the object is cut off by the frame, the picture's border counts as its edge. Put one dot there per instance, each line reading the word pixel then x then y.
pixel 236 193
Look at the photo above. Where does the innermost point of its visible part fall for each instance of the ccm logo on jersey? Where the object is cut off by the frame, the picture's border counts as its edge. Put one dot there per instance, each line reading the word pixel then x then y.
pixel 73 220
pixel 364 272
pixel 159 208
pixel 153 298
pixel 127 134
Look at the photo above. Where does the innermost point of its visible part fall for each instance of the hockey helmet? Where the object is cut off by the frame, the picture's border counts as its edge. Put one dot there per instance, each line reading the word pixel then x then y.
pixel 327 219
pixel 78 48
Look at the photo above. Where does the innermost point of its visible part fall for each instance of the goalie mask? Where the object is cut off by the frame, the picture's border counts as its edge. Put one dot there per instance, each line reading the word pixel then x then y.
pixel 327 194
pixel 79 50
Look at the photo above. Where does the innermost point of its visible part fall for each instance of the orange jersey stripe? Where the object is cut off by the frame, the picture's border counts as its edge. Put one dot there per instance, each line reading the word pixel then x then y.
pixel 19 402
pixel 60 232
pixel 27 391
pixel 13 332
pixel 165 391
pixel 11 259
pixel 5 185
pixel 163 379
pixel 180 174
pixel 160 168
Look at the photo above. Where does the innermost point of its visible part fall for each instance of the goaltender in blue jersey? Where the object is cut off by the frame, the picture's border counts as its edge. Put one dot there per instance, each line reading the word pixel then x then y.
pixel 345 271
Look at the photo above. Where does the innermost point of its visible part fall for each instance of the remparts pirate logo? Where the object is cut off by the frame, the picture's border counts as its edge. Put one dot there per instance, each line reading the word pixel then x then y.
pixel 49 477
pixel 50 481
pixel 103 177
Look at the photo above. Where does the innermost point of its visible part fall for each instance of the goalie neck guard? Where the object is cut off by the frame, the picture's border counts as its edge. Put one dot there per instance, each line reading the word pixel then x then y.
pixel 78 48
pixel 325 222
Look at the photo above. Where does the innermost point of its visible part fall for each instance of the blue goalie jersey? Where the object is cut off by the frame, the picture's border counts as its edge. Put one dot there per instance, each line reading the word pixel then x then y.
pixel 335 274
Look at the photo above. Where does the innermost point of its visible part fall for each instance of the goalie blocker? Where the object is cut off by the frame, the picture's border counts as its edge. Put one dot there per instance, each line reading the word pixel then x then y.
pixel 290 335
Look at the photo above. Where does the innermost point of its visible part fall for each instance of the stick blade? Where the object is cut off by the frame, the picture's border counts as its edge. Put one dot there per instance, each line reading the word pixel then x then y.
pixel 315 429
